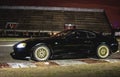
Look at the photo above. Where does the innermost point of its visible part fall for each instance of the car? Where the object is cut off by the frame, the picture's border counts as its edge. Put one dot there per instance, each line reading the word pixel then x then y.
pixel 74 42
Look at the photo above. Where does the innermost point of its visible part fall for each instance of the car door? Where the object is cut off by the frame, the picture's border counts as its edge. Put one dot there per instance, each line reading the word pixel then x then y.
pixel 91 41
pixel 88 40
pixel 75 42
pixel 82 41
pixel 70 43
pixel 78 42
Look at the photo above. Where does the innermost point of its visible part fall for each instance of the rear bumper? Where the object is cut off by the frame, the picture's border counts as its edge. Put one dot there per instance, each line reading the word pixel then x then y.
pixel 114 48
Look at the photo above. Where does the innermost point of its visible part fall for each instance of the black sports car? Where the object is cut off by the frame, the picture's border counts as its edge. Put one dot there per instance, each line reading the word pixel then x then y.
pixel 75 41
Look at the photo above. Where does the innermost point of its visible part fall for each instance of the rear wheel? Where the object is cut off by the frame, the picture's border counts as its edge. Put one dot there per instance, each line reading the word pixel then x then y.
pixel 41 53
pixel 103 51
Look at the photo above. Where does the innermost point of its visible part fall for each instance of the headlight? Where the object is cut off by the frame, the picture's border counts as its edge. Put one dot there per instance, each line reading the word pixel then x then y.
pixel 21 45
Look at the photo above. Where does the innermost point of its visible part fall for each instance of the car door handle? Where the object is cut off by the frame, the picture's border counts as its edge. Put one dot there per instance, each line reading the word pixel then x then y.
pixel 87 41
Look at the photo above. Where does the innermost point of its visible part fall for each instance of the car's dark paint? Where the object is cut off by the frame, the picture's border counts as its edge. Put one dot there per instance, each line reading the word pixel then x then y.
pixel 75 41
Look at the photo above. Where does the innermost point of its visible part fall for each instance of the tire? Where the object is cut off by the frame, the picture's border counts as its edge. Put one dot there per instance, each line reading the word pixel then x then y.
pixel 41 53
pixel 103 51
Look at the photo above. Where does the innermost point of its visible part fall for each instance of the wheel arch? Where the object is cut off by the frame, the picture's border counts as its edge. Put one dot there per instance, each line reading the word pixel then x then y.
pixel 104 43
pixel 39 44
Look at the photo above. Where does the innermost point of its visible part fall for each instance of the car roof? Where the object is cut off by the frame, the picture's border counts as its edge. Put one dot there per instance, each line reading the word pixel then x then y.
pixel 84 30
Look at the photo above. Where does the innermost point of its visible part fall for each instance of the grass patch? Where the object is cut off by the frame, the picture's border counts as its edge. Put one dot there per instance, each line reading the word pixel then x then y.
pixel 88 70
pixel 12 39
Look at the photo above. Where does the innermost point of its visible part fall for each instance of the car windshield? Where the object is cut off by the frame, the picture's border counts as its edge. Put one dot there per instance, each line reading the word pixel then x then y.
pixel 62 34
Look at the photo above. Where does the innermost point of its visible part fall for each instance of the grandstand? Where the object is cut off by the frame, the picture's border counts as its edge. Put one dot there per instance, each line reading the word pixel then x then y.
pixel 32 20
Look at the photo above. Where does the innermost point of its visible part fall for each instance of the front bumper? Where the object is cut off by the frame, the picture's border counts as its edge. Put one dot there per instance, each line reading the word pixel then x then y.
pixel 21 52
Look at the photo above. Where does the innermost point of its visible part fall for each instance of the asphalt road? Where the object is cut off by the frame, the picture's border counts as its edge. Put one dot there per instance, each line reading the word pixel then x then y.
pixel 6 49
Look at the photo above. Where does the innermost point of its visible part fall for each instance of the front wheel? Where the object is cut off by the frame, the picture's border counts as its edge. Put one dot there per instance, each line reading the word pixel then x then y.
pixel 103 51
pixel 41 53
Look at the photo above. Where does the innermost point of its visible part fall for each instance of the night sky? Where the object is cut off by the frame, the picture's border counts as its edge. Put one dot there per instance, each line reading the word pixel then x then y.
pixel 112 7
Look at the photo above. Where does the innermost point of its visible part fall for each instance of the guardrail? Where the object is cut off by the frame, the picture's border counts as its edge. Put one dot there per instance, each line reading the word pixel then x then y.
pixel 26 33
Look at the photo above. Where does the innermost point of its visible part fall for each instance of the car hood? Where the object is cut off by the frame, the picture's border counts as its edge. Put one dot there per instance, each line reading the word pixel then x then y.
pixel 33 41
pixel 37 40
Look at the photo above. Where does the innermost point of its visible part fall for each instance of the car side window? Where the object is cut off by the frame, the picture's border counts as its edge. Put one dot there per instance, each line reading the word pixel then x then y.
pixel 71 35
pixel 81 34
pixel 91 35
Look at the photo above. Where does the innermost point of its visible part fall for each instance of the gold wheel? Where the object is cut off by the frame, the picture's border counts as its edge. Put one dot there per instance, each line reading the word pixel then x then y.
pixel 41 53
pixel 103 51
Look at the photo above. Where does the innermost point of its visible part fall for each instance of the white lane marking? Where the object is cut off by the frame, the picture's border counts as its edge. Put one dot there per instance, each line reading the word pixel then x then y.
pixel 60 62
pixel 9 45
pixel 111 60
pixel 68 62
pixel 21 65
